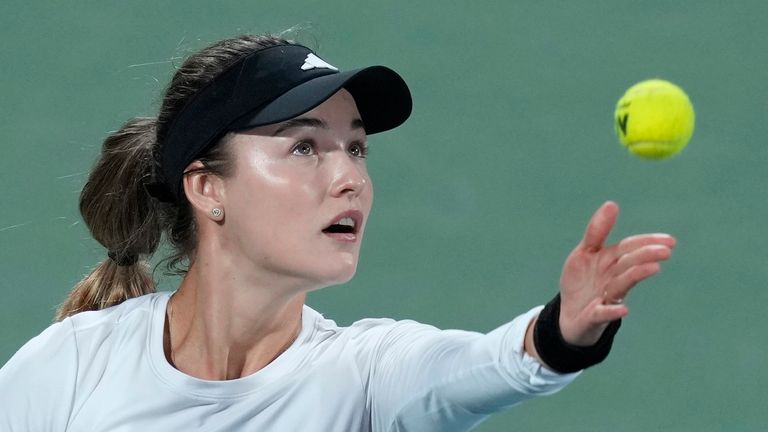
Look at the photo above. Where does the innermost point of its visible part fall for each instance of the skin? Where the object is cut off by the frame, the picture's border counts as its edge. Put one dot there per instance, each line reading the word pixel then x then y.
pixel 239 306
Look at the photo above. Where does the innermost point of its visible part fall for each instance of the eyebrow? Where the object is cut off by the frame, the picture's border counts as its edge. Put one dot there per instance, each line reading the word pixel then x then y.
pixel 313 123
pixel 358 124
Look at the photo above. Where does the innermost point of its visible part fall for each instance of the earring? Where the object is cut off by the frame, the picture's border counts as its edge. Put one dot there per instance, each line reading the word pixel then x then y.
pixel 217 212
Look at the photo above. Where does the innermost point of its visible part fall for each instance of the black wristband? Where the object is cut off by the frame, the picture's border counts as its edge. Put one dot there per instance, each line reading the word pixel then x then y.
pixel 558 354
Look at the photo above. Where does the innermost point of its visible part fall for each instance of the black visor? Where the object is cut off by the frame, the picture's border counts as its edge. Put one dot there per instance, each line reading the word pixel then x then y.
pixel 270 86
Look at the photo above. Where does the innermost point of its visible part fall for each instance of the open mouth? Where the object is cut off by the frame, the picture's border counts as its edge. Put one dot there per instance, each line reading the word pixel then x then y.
pixel 345 223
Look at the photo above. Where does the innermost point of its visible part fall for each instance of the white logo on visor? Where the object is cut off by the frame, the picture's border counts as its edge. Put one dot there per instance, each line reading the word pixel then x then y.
pixel 312 61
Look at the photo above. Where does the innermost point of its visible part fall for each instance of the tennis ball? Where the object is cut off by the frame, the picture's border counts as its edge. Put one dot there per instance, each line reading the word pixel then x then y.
pixel 654 119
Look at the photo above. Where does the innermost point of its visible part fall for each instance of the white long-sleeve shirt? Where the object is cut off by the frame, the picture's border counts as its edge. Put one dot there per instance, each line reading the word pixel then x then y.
pixel 106 371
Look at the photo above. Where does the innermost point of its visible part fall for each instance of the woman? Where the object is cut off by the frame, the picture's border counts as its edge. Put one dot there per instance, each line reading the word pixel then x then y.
pixel 255 172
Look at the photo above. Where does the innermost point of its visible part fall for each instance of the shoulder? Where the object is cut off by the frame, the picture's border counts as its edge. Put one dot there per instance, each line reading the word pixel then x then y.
pixel 77 336
pixel 124 327
pixel 38 381
pixel 55 340
pixel 325 328
pixel 375 335
pixel 133 310
pixel 70 351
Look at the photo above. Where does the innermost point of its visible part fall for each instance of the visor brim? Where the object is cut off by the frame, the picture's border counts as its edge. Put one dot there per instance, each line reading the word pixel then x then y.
pixel 381 96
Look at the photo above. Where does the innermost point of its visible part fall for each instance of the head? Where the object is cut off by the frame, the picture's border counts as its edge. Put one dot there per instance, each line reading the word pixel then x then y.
pixel 295 205
pixel 234 132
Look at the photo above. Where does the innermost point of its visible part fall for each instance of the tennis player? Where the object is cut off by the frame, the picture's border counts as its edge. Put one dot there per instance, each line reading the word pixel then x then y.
pixel 254 171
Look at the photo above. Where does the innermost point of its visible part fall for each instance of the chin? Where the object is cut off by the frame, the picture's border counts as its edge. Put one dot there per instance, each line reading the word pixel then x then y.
pixel 345 276
pixel 339 276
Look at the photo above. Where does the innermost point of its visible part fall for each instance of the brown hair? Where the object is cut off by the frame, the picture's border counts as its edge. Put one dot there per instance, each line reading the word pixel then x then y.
pixel 119 212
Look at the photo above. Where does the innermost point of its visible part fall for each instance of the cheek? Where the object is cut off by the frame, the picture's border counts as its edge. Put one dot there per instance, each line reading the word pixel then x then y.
pixel 268 192
pixel 264 177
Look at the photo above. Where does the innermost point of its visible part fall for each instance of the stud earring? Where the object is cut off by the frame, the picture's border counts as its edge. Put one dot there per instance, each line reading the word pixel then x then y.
pixel 217 212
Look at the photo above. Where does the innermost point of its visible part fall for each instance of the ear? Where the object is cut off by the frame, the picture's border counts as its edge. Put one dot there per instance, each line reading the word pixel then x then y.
pixel 205 191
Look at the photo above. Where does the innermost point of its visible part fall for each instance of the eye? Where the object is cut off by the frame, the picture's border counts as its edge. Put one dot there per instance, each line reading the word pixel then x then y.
pixel 358 149
pixel 304 148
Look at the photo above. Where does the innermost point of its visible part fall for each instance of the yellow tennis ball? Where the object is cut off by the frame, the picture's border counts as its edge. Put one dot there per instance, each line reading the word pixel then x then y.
pixel 654 119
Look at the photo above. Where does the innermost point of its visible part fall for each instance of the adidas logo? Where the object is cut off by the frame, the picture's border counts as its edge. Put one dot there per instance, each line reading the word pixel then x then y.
pixel 312 61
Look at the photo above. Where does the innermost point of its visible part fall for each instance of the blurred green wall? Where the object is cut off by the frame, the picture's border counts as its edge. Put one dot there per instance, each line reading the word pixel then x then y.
pixel 479 197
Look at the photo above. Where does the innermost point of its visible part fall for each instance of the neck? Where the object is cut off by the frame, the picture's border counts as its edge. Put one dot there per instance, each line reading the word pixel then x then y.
pixel 222 326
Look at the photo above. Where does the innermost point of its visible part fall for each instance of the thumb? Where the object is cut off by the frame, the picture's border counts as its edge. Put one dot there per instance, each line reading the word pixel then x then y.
pixel 600 225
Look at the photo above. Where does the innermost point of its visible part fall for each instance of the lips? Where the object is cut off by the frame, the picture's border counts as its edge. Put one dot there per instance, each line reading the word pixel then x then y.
pixel 345 225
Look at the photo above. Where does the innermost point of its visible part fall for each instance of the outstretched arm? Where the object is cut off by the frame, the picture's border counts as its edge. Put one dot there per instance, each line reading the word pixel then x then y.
pixel 597 277
pixel 422 378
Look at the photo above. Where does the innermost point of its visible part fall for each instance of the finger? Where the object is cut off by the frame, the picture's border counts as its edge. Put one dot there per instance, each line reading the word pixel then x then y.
pixel 601 313
pixel 604 314
pixel 600 225
pixel 619 250
pixel 641 255
pixel 633 242
pixel 617 289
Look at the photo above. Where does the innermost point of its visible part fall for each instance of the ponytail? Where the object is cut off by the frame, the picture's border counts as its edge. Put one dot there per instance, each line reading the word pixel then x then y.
pixel 122 217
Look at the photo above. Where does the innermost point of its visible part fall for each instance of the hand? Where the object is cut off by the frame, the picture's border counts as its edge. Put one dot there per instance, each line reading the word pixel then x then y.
pixel 597 278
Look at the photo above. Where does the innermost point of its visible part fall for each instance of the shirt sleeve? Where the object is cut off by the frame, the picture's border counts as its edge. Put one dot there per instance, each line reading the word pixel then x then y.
pixel 424 379
pixel 37 385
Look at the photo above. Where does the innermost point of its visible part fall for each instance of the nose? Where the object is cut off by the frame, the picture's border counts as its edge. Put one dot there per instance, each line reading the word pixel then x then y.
pixel 349 176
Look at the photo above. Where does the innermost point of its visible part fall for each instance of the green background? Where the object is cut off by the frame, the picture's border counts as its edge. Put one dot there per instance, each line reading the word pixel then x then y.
pixel 479 196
